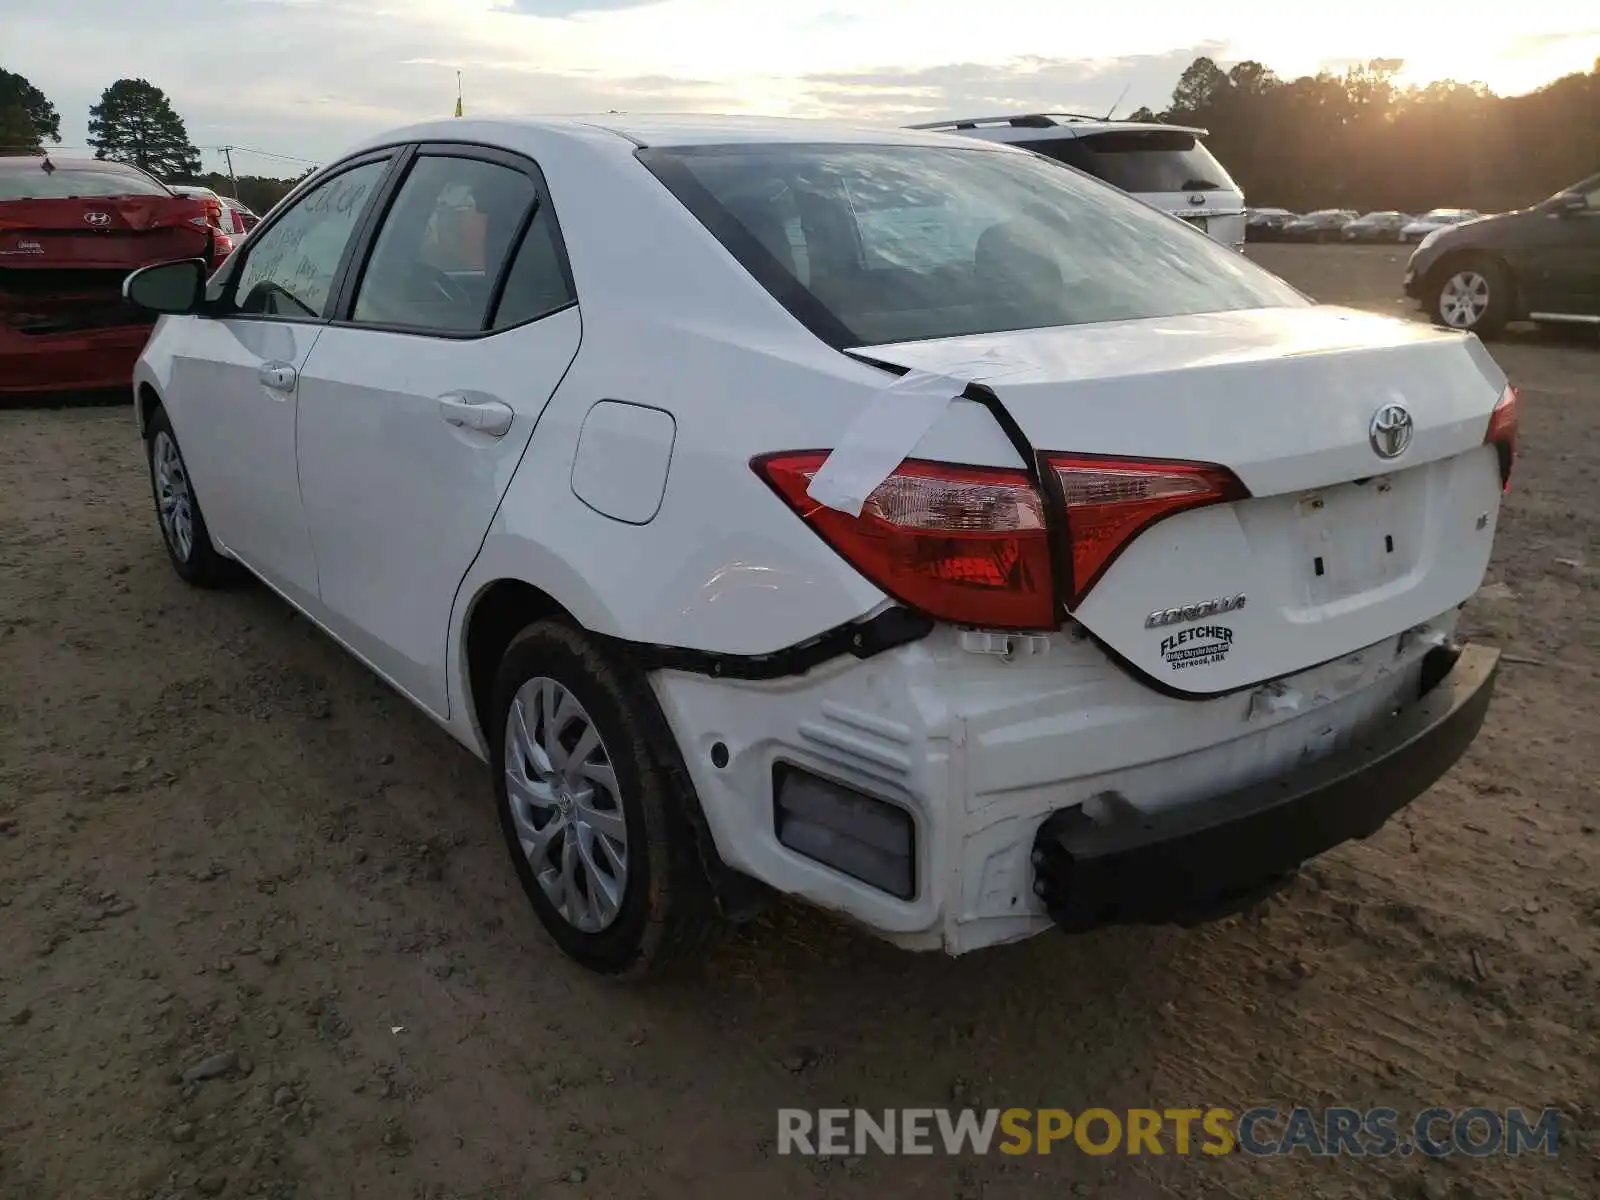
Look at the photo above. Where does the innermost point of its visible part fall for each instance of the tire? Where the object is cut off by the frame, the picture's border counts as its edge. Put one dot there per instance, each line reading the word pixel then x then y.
pixel 178 516
pixel 1472 295
pixel 656 919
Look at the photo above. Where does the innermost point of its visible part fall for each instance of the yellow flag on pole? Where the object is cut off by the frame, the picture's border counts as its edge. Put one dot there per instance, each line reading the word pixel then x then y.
pixel 458 93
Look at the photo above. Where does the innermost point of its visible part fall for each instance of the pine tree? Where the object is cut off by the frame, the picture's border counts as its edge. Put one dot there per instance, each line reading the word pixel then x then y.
pixel 27 117
pixel 135 123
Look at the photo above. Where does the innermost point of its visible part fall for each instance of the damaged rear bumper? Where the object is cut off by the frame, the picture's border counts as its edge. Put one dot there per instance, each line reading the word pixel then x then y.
pixel 1206 859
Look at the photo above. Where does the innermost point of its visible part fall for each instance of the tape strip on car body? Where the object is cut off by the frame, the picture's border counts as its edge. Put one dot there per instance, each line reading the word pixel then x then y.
pixel 882 437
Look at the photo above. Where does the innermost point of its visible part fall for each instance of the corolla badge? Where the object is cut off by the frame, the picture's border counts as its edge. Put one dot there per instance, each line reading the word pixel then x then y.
pixel 1193 612
pixel 98 219
pixel 1390 431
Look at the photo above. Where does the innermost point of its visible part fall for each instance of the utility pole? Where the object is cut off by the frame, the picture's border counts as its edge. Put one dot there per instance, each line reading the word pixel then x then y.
pixel 227 156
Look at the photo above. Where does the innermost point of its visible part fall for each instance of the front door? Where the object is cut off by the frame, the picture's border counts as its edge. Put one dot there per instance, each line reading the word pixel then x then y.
pixel 416 405
pixel 1577 274
pixel 238 379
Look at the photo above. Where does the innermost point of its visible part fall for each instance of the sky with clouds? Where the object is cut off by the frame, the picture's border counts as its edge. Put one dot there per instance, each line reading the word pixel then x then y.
pixel 307 77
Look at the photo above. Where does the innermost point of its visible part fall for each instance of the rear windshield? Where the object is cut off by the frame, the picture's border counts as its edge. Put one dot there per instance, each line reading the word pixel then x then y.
pixel 874 244
pixel 1141 161
pixel 35 183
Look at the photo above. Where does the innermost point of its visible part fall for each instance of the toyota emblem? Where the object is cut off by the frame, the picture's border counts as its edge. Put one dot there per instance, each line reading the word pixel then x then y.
pixel 1390 431
pixel 98 219
pixel 1197 199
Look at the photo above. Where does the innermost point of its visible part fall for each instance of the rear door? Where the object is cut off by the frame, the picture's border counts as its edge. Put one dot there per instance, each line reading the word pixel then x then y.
pixel 417 403
pixel 235 397
pixel 1168 168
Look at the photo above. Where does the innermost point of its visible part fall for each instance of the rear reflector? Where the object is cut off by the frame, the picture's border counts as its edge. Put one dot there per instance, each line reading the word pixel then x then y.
pixel 856 834
pixel 1110 501
pixel 1502 434
pixel 962 544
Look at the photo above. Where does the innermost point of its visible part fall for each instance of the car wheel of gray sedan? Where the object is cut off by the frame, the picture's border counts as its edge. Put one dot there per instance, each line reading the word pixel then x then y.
pixel 1472 295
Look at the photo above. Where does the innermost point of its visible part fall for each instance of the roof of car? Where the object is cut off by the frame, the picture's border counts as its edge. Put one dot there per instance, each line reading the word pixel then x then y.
pixel 669 129
pixel 1024 126
pixel 35 162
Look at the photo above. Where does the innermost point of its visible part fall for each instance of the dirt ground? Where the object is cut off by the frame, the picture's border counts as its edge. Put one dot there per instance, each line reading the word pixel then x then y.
pixel 259 937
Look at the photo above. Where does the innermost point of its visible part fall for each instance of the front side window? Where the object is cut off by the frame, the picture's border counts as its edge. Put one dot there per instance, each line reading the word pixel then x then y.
pixel 439 254
pixel 875 244
pixel 290 268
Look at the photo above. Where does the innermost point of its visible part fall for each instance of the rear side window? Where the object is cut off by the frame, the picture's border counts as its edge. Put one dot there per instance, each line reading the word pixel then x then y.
pixel 63 183
pixel 876 244
pixel 537 283
pixel 1142 161
pixel 440 252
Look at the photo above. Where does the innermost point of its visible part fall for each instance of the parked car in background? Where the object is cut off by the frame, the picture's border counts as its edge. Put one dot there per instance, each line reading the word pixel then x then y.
pixel 1539 264
pixel 870 448
pixel 1436 218
pixel 70 231
pixel 1166 166
pixel 1377 227
pixel 229 215
pixel 206 196
pixel 1266 224
pixel 237 219
pixel 1324 225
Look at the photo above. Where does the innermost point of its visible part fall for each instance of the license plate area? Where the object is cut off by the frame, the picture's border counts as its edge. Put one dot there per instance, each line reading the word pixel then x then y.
pixel 1357 537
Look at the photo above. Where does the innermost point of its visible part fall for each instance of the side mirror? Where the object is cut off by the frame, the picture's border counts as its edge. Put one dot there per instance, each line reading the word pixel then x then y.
pixel 169 287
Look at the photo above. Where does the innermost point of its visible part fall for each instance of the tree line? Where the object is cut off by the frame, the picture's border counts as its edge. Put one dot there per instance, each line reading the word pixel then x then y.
pixel 1356 140
pixel 134 123
pixel 1359 140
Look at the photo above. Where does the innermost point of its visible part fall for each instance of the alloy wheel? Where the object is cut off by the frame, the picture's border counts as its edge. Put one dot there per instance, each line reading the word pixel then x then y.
pixel 562 792
pixel 174 500
pixel 1464 299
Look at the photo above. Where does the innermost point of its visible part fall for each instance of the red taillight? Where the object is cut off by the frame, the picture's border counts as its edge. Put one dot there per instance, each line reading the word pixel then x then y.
pixel 1110 501
pixel 221 246
pixel 1502 434
pixel 962 544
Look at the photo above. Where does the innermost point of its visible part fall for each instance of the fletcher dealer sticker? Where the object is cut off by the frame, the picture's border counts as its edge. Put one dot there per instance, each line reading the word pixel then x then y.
pixel 1199 646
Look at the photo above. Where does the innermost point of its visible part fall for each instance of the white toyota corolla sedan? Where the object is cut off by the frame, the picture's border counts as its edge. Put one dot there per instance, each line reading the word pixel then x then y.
pixel 898 521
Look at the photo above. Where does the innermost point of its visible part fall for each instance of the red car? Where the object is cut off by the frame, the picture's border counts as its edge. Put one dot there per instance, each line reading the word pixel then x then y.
pixel 70 232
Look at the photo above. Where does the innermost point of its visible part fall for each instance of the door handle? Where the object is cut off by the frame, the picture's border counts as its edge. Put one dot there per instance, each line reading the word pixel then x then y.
pixel 279 377
pixel 492 417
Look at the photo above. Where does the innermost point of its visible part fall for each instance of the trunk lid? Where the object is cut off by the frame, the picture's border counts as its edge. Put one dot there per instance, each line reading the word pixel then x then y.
pixel 63 260
pixel 1336 548
pixel 101 231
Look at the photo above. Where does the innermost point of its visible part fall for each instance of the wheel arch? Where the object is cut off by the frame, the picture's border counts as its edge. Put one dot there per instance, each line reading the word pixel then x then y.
pixel 146 401
pixel 502 608
pixel 499 610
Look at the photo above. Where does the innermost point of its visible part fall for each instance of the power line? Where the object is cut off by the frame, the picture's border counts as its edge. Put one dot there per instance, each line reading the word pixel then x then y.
pixel 268 154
